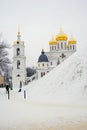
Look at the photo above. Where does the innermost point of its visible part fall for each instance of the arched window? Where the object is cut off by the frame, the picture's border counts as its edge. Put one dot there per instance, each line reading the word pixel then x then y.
pixel 18 75
pixel 65 45
pixel 70 46
pixel 42 74
pixel 18 51
pixel 73 47
pixel 18 64
pixel 43 64
pixel 17 42
pixel 50 48
pixel 61 44
pixel 58 62
pixel 58 46
pixel 51 63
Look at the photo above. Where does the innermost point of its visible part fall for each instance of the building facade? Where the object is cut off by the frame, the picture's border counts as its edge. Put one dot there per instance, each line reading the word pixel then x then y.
pixel 43 65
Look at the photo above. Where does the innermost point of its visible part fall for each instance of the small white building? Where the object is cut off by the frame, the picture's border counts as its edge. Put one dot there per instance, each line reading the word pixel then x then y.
pixel 42 65
pixel 19 62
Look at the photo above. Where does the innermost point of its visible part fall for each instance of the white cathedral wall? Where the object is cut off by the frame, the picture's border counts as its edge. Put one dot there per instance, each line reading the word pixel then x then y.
pixel 72 47
pixel 41 68
pixel 54 56
pixel 39 71
pixel 43 65
pixel 53 47
pixel 22 67
pixel 62 45
pixel 22 71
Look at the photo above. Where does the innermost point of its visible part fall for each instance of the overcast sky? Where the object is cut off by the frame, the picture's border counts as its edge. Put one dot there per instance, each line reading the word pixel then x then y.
pixel 39 19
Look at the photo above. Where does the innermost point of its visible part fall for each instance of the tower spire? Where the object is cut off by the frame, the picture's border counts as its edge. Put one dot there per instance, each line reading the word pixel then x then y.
pixel 52 36
pixel 18 30
pixel 71 37
pixel 61 29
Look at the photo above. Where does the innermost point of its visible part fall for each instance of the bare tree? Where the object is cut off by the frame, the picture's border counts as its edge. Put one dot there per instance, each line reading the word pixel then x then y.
pixel 4 60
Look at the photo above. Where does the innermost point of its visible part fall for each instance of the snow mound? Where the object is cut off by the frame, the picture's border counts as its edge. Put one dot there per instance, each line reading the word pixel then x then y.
pixel 67 83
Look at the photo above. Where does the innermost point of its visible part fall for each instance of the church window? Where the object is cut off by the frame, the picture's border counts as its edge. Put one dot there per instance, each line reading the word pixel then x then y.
pixel 18 75
pixel 52 47
pixel 70 47
pixel 51 63
pixel 65 45
pixel 42 74
pixel 61 44
pixel 43 64
pixel 58 46
pixel 18 51
pixel 73 47
pixel 17 42
pixel 18 64
pixel 58 62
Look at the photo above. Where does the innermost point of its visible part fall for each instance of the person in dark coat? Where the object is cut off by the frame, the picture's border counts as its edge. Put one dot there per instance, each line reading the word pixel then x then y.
pixel 20 89
pixel 7 88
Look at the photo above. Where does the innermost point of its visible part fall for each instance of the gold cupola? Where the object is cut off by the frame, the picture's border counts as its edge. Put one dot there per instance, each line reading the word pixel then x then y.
pixel 61 36
pixel 72 40
pixel 52 41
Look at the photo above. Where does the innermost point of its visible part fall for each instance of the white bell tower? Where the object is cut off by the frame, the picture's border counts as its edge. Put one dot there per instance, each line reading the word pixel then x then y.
pixel 19 62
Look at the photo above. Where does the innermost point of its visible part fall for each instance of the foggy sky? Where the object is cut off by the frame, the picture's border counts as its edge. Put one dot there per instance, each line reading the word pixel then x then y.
pixel 39 19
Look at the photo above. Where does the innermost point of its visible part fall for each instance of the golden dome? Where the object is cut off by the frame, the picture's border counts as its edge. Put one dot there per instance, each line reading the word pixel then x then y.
pixel 61 36
pixel 72 40
pixel 52 41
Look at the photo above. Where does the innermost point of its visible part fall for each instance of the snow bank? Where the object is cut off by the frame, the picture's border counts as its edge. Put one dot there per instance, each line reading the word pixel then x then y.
pixel 67 83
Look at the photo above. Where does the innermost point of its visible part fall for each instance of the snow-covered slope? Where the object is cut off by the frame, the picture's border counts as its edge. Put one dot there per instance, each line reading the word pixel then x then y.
pixel 67 83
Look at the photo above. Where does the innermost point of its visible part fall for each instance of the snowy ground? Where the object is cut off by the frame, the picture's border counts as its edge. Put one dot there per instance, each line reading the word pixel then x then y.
pixel 24 115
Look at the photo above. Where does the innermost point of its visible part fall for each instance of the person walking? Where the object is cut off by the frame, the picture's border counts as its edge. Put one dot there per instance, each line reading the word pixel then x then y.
pixel 20 86
pixel 7 87
pixel 7 90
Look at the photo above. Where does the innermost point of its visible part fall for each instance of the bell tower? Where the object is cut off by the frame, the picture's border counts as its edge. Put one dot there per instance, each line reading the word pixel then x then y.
pixel 19 62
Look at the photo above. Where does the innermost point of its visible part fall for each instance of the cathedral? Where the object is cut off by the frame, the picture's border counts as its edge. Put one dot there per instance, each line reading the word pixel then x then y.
pixel 60 48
